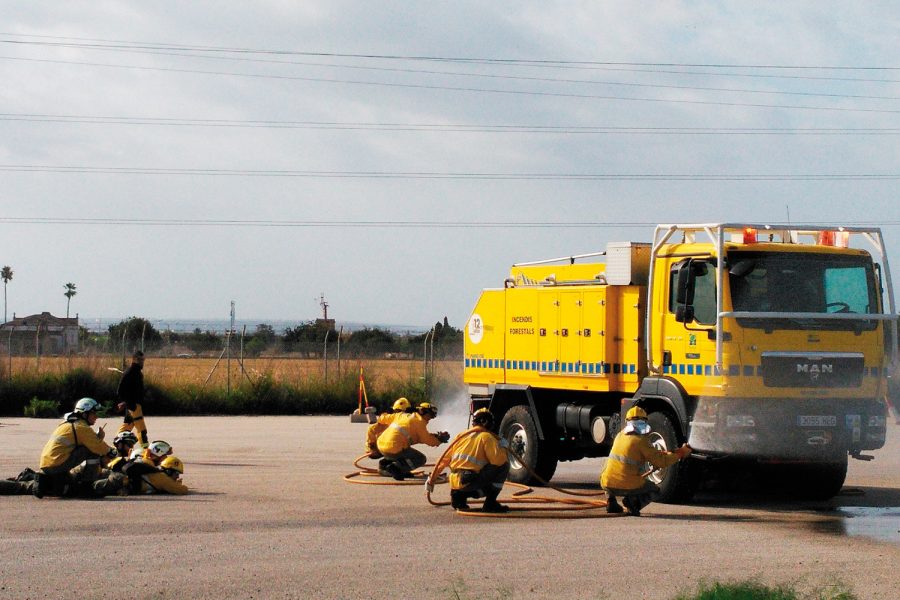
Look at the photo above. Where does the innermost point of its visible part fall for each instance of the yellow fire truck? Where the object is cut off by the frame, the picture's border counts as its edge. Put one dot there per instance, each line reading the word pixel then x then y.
pixel 754 343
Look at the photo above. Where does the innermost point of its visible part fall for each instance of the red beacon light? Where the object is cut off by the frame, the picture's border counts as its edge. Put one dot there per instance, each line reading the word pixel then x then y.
pixel 838 239
pixel 749 235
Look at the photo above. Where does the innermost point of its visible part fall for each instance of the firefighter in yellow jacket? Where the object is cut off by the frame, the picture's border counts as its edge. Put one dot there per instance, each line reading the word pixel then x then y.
pixel 478 465
pixel 384 420
pixel 624 474
pixel 72 442
pixel 156 470
pixel 400 458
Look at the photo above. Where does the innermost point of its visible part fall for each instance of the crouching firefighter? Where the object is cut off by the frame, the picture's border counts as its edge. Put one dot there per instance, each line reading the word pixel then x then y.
pixel 383 421
pixel 478 465
pixel 400 458
pixel 72 443
pixel 630 453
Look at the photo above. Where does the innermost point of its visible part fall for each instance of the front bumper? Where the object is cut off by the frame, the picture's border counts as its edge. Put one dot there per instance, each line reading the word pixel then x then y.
pixel 787 429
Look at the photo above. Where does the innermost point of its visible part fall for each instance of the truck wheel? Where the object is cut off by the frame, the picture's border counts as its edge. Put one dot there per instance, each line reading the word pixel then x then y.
pixel 676 483
pixel 821 481
pixel 518 428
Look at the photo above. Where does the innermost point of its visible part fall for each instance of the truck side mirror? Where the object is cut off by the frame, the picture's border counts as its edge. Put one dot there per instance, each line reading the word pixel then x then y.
pixel 684 313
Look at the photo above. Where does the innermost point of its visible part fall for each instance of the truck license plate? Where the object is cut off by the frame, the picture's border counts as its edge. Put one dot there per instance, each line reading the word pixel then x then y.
pixel 817 421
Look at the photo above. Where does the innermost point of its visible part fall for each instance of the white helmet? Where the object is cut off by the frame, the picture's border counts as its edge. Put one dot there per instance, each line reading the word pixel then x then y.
pixel 160 448
pixel 125 437
pixel 86 405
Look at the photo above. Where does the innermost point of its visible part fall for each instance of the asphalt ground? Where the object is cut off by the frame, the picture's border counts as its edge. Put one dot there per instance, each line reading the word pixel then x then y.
pixel 270 516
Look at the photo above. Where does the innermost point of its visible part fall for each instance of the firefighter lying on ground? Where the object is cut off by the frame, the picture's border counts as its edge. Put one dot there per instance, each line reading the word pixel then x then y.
pixel 112 479
pixel 72 443
pixel 478 465
pixel 155 471
pixel 395 443
pixel 401 406
pixel 624 472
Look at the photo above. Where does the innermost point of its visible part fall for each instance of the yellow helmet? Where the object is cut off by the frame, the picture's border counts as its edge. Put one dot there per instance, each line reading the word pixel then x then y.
pixel 635 412
pixel 401 404
pixel 426 408
pixel 483 417
pixel 172 462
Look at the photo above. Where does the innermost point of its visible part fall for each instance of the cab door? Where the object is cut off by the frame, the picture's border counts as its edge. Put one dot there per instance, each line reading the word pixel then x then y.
pixel 691 321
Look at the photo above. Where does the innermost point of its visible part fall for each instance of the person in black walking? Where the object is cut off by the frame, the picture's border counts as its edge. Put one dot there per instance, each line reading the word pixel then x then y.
pixel 131 396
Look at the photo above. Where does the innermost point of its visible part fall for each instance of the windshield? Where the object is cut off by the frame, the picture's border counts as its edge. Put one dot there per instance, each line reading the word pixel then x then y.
pixel 808 283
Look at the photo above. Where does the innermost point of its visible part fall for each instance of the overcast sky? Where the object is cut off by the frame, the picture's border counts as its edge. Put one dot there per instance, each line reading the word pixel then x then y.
pixel 391 154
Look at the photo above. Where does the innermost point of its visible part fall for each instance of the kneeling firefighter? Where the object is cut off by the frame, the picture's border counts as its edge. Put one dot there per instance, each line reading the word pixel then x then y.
pixel 478 465
pixel 630 452
pixel 402 405
pixel 400 458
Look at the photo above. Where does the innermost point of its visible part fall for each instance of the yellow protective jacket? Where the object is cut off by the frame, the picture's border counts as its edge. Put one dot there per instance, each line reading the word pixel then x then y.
pixel 472 450
pixel 160 483
pixel 377 428
pixel 628 460
pixel 407 429
pixel 69 435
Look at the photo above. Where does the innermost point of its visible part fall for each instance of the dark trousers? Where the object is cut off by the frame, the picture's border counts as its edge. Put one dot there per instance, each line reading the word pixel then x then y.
pixel 487 482
pixel 408 460
pixel 639 497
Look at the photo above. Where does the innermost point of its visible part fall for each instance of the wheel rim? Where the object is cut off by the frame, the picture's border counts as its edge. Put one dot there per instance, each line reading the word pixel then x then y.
pixel 518 443
pixel 658 442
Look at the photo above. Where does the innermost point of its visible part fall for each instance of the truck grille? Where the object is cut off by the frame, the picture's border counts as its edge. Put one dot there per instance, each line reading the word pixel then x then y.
pixel 812 369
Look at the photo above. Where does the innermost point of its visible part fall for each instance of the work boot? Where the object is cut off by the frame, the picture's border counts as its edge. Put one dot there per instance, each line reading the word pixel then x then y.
pixel 394 470
pixel 613 507
pixel 40 485
pixel 633 506
pixel 458 501
pixel 492 506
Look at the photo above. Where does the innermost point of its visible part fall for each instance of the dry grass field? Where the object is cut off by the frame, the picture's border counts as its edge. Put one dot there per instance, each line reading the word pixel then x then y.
pixel 175 372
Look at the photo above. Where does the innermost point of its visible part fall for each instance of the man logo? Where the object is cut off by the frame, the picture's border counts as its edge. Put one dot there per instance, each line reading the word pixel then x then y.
pixel 815 370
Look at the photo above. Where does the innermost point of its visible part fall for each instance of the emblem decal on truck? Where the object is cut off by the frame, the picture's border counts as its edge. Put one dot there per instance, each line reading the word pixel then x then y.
pixel 475 329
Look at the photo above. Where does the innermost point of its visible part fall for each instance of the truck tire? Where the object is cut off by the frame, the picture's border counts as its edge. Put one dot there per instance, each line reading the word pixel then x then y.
pixel 821 481
pixel 518 428
pixel 677 483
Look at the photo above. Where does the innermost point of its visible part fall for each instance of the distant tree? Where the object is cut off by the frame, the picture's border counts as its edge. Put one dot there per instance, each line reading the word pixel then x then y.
pixel 6 273
pixel 69 293
pixel 260 340
pixel 305 333
pixel 133 328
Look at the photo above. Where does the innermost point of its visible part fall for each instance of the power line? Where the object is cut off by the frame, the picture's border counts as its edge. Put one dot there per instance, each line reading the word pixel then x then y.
pixel 450 175
pixel 114 44
pixel 496 76
pixel 455 88
pixel 444 127
pixel 367 224
pixel 160 49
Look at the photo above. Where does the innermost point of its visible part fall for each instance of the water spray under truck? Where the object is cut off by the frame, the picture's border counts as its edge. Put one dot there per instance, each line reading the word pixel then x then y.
pixel 756 344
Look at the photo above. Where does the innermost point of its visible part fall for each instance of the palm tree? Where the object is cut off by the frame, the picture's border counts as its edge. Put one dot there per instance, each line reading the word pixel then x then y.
pixel 70 291
pixel 6 273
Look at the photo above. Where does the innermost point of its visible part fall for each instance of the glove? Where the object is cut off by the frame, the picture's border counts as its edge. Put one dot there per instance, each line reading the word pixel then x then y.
pixel 429 486
pixel 504 443
pixel 442 436
pixel 684 451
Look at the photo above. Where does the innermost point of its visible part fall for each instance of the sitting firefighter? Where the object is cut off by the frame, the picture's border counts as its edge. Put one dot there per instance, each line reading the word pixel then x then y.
pixel 395 443
pixel 478 465
pixel 624 474
pixel 73 442
pixel 155 471
pixel 401 406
